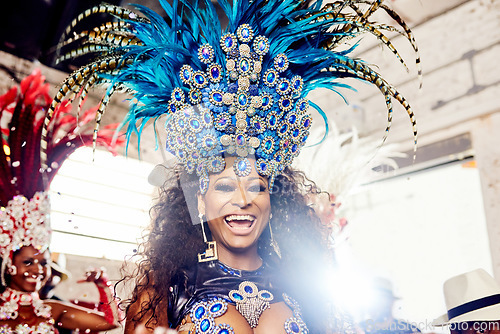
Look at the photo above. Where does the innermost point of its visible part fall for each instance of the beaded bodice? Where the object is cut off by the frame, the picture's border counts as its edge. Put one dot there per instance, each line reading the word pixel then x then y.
pixel 204 293
pixel 11 321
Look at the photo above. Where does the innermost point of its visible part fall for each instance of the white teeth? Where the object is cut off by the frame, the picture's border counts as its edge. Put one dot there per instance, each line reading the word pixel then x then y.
pixel 240 217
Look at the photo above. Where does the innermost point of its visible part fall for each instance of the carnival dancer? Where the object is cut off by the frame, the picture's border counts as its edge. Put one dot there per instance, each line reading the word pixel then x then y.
pixel 24 213
pixel 233 246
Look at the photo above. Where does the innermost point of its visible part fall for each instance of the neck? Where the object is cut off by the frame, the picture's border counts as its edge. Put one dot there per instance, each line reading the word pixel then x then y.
pixel 248 260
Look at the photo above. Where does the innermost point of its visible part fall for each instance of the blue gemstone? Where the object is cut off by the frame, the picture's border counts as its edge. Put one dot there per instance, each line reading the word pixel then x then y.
pixel 272 120
pixel 285 103
pixel 283 128
pixel 271 77
pixel 200 311
pixel 216 307
pixel 257 125
pixel 296 84
pixel 244 65
pixel 205 325
pixel 228 42
pixel 189 165
pixel 261 45
pixel 265 101
pixel 307 122
pixel 245 33
pixel 179 140
pixel 195 156
pixel 242 166
pixel 187 74
pixel 295 133
pixel 181 123
pixel 173 108
pixel 217 97
pixel 284 86
pixel 295 327
pixel 268 144
pixel 215 72
pixel 195 95
pixel 222 121
pixel 263 166
pixel 209 142
pixel 278 158
pixel 181 154
pixel 292 119
pixel 194 123
pixel 200 79
pixel 207 118
pixel 205 53
pixel 248 289
pixel 266 295
pixel 294 148
pixel 281 62
pixel 178 96
pixel 240 140
pixel 224 331
pixel 242 99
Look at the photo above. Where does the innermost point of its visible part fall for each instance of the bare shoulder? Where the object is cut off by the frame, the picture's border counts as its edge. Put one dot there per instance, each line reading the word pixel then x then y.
pixel 141 313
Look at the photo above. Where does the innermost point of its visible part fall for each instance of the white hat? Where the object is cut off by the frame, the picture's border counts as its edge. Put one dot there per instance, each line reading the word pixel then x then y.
pixel 473 296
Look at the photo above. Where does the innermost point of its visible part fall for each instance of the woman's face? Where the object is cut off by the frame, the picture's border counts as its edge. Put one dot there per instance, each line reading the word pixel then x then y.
pixel 237 208
pixel 33 269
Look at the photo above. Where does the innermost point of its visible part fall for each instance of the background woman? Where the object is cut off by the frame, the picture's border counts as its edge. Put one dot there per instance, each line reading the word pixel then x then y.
pixel 24 215
pixel 237 115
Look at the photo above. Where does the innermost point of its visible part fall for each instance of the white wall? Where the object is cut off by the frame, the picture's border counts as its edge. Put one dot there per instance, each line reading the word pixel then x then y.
pixel 418 230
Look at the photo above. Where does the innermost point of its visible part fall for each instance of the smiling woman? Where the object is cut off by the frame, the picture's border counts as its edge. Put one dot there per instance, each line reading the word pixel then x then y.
pixel 25 216
pixel 266 248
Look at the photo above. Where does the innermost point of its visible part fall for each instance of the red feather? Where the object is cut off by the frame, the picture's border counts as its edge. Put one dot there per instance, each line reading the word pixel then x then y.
pixel 22 111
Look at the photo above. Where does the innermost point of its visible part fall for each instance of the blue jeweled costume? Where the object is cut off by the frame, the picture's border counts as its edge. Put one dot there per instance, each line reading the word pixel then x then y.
pixel 204 292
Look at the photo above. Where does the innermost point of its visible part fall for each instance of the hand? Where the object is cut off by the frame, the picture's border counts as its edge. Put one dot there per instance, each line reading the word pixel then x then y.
pixel 97 276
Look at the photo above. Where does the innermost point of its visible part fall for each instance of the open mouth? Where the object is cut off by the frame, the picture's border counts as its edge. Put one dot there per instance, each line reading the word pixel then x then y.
pixel 240 221
pixel 34 279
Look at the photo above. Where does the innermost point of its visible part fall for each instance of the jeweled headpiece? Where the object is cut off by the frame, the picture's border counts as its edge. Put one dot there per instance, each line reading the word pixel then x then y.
pixel 237 91
pixel 24 201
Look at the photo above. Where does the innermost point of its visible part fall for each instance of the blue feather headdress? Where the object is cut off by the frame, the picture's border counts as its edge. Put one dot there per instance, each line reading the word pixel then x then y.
pixel 239 90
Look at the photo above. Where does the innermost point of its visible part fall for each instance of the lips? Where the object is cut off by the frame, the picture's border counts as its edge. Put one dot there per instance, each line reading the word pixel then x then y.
pixel 240 221
pixel 34 279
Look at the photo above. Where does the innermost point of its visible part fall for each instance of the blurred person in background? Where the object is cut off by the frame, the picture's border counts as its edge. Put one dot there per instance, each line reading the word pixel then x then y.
pixel 25 262
pixel 379 315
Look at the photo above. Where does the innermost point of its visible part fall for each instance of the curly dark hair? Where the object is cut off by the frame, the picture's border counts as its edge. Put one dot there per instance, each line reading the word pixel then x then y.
pixel 173 242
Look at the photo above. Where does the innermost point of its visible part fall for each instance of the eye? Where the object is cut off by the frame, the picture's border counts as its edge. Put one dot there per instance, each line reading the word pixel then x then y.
pixel 27 262
pixel 44 263
pixel 224 187
pixel 257 188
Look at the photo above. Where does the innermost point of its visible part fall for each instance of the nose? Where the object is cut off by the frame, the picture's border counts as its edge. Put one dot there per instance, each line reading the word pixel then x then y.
pixel 240 197
pixel 38 267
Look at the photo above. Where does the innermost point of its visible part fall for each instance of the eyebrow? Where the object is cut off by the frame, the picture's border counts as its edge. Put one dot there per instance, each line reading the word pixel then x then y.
pixel 238 179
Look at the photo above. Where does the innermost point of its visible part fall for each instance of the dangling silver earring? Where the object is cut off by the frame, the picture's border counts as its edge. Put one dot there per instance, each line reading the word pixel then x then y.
pixel 12 270
pixel 274 243
pixel 210 253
